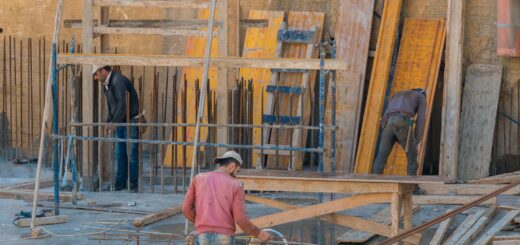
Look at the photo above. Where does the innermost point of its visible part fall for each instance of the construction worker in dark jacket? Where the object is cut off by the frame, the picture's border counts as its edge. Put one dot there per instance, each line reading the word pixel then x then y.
pixel 116 87
pixel 397 124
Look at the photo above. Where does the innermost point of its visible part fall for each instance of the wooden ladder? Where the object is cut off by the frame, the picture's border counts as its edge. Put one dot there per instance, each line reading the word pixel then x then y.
pixel 274 91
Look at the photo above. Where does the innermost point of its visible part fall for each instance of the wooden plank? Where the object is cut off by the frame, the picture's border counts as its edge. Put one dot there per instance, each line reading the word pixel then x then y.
pixel 441 231
pixel 377 87
pixel 488 235
pixel 417 66
pixel 51 220
pixel 498 179
pixel 28 195
pixel 380 228
pixel 149 31
pixel 464 189
pixel 396 205
pixel 407 212
pixel 160 23
pixel 296 21
pixel 361 236
pixel 222 76
pixel 452 89
pixel 464 227
pixel 157 216
pixel 507 242
pixel 30 185
pixel 448 200
pixel 318 209
pixel 478 227
pixel 477 125
pixel 352 35
pixel 152 3
pixel 197 61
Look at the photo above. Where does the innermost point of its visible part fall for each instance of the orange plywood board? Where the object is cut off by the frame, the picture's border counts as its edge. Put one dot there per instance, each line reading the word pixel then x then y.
pixel 377 87
pixel 195 47
pixel 417 66
pixel 298 21
pixel 260 43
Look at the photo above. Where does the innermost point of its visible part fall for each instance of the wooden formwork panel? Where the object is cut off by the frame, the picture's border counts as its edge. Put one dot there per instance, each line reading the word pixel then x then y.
pixel 377 86
pixel 418 62
pixel 260 43
pixel 298 21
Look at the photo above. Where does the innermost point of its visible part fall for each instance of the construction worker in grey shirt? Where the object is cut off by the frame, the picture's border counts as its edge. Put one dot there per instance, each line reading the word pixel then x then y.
pixel 397 124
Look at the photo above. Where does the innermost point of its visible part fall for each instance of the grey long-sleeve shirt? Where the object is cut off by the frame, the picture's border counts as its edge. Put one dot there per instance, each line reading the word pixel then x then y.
pixel 409 102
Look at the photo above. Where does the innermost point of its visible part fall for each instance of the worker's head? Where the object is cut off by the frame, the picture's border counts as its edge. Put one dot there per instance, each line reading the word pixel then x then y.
pixel 420 90
pixel 101 72
pixel 231 162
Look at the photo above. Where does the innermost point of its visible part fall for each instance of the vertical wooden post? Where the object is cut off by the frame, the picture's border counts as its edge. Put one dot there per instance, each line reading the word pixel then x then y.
pixel 87 95
pixel 103 48
pixel 452 89
pixel 395 210
pixel 407 212
pixel 222 87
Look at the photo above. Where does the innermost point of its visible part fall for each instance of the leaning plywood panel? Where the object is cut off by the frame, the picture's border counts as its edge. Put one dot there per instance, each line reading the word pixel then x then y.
pixel 418 62
pixel 479 109
pixel 260 43
pixel 352 35
pixel 377 87
pixel 297 21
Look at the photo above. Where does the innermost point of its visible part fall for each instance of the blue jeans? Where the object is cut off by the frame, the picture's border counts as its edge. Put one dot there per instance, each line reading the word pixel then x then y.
pixel 210 238
pixel 122 158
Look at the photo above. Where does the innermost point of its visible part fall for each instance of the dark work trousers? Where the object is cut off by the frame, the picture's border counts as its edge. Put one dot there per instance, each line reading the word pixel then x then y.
pixel 122 157
pixel 396 129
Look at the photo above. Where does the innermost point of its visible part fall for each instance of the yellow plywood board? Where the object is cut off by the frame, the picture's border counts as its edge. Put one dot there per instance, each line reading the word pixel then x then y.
pixel 195 47
pixel 377 86
pixel 260 43
pixel 417 66
pixel 298 21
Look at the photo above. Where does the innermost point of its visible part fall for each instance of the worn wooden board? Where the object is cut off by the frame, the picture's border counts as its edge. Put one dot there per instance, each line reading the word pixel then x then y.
pixel 357 236
pixel 297 21
pixel 194 48
pixel 260 43
pixel 377 87
pixel 418 63
pixel 352 35
pixel 479 108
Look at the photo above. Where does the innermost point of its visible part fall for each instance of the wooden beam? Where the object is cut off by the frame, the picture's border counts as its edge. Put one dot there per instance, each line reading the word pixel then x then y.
pixel 476 229
pixel 441 231
pixel 465 189
pixel 488 235
pixel 448 200
pixel 26 222
pixel 165 23
pixel 352 35
pixel 340 219
pixel 88 161
pixel 30 185
pixel 157 216
pixel 319 209
pixel 378 85
pixel 149 31
pixel 452 89
pixel 151 4
pixel 222 75
pixel 222 62
pixel 498 179
pixel 395 211
pixel 28 195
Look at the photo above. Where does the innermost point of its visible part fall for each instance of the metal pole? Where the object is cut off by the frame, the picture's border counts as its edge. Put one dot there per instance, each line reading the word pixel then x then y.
pixel 200 113
pixel 74 118
pixel 55 130
pixel 333 115
pixel 321 108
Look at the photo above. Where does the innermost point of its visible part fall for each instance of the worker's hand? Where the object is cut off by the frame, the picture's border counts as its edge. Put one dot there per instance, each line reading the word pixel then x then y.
pixel 264 236
pixel 109 130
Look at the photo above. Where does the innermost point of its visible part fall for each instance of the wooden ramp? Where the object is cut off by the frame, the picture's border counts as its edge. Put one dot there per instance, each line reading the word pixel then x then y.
pixel 306 21
pixel 417 66
pixel 260 43
pixel 479 109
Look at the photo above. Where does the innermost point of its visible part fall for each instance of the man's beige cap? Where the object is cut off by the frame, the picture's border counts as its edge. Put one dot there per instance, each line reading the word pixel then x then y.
pixel 228 155
pixel 97 67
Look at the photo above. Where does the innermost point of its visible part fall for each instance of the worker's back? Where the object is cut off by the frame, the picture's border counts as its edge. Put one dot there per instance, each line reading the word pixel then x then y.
pixel 215 198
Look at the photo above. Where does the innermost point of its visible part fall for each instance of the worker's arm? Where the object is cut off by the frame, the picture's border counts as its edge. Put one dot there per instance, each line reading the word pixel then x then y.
pixel 188 206
pixel 421 117
pixel 240 213
pixel 120 97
